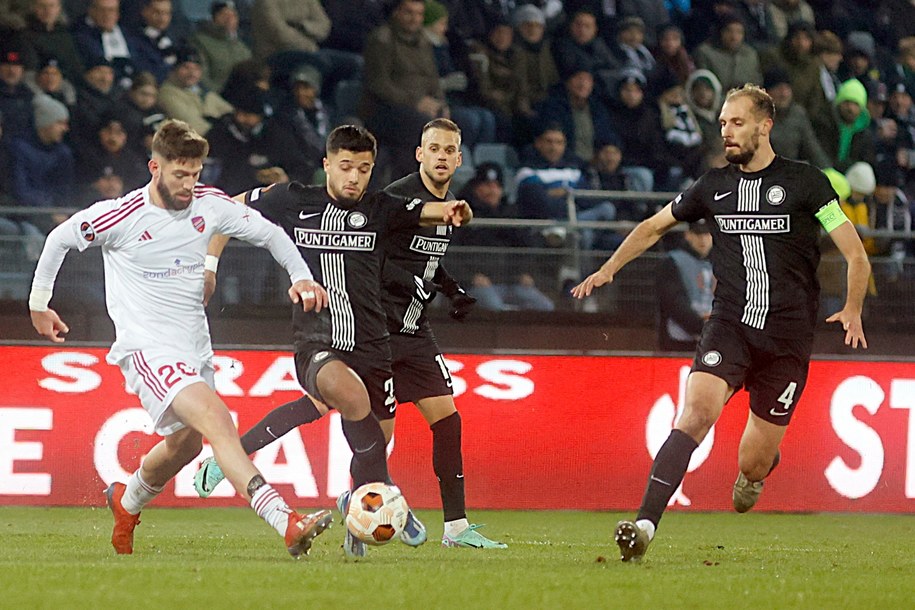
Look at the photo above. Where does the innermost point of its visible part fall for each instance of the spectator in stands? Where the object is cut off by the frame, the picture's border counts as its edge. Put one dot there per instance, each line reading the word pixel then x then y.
pixel 704 96
pixel 893 211
pixel 470 19
pixel 161 45
pixel 141 114
pixel 42 172
pixel 903 67
pixel 794 54
pixel 287 34
pixel 549 171
pixel 671 56
pixel 584 119
pixel 21 255
pixel 859 206
pixel 845 132
pixel 99 36
pixel 535 52
pixel 792 134
pixel 13 15
pixel 96 96
pixel 702 22
pixel 110 160
pixel 351 21
pixel 644 151
pixel 499 76
pixel 183 97
pixel 682 134
pixel 49 37
pixel 219 45
pixel 760 30
pixel 685 287
pixel 816 95
pixel 605 173
pixel 902 112
pixel 48 79
pixel 15 96
pixel 581 45
pixel 251 150
pixel 494 287
pixel 860 60
pixel 454 82
pixel 785 12
pixel 401 89
pixel 728 56
pixel 628 48
pixel 303 115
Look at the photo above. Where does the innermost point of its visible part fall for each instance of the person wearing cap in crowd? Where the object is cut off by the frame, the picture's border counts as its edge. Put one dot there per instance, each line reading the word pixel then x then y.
pixel 792 134
pixel 858 206
pixel 48 36
pixel 495 287
pixel 500 79
pixel 303 114
pixel 108 156
pixel 49 79
pixel 681 132
pixel 99 36
pixel 43 164
pixel 96 95
pixel 685 287
pixel 639 129
pixel 219 45
pixel 534 51
pixel 845 132
pixel 860 60
pixel 628 47
pixel 183 97
pixel 140 113
pixel 581 45
pixel 583 117
pixel 155 35
pixel 728 55
pixel 251 149
pixel 816 95
pixel 15 96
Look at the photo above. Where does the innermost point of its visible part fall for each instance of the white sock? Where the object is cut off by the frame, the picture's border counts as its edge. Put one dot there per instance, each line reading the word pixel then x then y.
pixel 272 508
pixel 138 494
pixel 647 526
pixel 453 528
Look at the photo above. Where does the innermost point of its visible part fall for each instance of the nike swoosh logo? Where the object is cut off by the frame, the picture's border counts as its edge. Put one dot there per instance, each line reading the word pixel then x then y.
pixel 424 295
pixel 722 195
pixel 392 408
pixel 270 432
pixel 367 449
pixel 459 476
pixel 774 413
pixel 304 216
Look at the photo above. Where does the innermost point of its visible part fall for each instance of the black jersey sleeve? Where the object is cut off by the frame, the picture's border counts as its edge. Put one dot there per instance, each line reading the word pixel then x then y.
pixel 273 200
pixel 690 205
pixel 397 280
pixel 401 212
pixel 821 191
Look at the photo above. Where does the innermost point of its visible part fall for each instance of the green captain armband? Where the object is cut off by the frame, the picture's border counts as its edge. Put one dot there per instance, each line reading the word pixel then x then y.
pixel 831 216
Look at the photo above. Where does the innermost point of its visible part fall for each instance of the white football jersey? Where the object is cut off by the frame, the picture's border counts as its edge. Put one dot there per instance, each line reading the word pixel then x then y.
pixel 154 264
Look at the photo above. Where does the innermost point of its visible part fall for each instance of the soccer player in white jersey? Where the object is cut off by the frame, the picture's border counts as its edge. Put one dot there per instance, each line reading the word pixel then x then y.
pixel 154 243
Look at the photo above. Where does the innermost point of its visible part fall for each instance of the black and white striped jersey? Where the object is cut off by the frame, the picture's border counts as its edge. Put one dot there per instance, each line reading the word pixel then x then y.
pixel 418 250
pixel 343 246
pixel 765 236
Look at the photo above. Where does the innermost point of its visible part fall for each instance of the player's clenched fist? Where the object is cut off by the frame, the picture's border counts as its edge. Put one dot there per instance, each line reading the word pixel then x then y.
pixel 310 293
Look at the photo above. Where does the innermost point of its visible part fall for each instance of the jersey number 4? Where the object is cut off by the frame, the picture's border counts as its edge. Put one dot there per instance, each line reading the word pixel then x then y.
pixel 787 399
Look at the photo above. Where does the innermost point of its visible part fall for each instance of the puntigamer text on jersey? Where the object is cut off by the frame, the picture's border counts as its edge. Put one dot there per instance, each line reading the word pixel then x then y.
pixel 750 223
pixel 335 240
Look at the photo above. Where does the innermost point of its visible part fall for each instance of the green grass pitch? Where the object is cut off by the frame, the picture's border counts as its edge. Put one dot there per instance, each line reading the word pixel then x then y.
pixel 227 558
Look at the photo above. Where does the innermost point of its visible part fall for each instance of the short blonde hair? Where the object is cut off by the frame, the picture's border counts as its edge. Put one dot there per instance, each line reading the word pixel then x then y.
pixel 763 106
pixel 177 140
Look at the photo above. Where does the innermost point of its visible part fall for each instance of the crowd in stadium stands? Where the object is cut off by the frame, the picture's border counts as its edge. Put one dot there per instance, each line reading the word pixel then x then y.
pixel 558 95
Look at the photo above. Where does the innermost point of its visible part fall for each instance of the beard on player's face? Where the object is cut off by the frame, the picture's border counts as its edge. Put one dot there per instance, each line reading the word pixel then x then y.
pixel 170 199
pixel 745 152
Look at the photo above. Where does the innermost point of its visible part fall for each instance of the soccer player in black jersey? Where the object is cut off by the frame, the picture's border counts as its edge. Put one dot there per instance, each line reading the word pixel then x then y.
pixel 342 355
pixel 420 373
pixel 765 213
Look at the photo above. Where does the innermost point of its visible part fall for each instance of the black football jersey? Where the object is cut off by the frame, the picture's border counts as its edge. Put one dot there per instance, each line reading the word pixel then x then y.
pixel 765 236
pixel 342 246
pixel 416 249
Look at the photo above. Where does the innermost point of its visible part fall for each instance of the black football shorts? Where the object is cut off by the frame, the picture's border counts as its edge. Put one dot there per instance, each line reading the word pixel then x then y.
pixel 419 368
pixel 773 370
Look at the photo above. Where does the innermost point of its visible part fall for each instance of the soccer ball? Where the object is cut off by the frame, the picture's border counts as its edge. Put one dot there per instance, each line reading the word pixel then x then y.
pixel 377 513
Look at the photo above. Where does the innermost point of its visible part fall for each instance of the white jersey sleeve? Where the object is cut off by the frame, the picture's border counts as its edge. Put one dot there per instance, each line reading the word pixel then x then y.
pixel 242 222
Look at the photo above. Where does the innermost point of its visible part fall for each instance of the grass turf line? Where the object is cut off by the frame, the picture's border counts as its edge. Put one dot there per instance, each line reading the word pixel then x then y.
pixel 62 558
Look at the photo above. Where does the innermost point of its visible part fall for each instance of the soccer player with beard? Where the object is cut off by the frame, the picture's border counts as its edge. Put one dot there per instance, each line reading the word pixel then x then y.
pixel 343 355
pixel 765 214
pixel 154 243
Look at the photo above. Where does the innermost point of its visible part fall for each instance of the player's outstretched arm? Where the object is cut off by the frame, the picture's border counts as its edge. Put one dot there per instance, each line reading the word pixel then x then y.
pixel 643 236
pixel 859 269
pixel 454 213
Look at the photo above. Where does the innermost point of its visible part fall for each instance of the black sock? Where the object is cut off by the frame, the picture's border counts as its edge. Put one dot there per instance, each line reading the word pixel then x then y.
pixel 448 465
pixel 278 422
pixel 366 440
pixel 666 474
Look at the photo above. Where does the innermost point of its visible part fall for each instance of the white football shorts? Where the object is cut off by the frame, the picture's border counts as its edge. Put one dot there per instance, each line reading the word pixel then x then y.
pixel 157 377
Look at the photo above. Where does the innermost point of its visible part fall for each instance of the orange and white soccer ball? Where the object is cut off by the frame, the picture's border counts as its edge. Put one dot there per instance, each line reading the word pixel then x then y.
pixel 377 513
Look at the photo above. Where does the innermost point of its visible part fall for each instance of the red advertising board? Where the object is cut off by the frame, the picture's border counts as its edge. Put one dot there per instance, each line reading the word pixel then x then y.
pixel 540 432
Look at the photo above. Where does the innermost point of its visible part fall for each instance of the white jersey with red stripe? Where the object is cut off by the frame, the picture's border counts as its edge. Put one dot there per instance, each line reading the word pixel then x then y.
pixel 154 264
